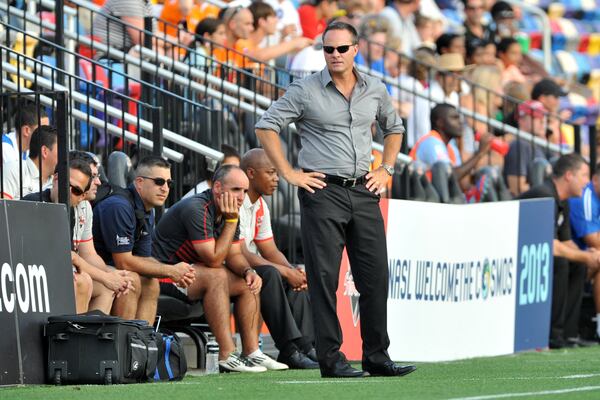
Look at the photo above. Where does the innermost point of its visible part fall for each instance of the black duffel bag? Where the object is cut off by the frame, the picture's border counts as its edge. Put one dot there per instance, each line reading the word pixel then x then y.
pixel 97 348
pixel 172 364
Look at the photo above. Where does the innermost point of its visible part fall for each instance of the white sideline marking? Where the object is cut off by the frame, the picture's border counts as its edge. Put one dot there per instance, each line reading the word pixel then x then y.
pixel 579 376
pixel 526 394
pixel 335 381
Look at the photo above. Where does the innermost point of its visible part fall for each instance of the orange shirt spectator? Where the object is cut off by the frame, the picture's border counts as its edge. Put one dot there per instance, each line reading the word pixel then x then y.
pixel 171 13
pixel 314 17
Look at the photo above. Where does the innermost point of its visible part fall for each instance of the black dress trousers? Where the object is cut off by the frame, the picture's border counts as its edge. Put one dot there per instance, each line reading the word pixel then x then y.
pixel 333 217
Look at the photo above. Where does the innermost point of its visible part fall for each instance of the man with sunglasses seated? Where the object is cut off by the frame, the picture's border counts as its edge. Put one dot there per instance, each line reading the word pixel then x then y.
pixel 91 289
pixel 122 243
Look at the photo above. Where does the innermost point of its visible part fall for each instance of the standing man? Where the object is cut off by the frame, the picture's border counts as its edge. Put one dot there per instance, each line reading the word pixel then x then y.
pixel 339 197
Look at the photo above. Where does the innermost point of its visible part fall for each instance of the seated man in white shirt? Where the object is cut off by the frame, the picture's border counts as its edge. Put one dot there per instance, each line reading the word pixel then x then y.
pixel 44 152
pixel 26 120
pixel 288 316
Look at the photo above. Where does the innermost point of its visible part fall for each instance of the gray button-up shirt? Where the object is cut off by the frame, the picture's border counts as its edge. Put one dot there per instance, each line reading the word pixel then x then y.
pixel 335 133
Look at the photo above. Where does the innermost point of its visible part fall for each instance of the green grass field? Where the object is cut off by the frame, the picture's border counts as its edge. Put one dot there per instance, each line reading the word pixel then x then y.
pixel 559 374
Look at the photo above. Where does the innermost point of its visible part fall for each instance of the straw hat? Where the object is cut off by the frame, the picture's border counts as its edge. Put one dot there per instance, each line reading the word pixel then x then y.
pixel 452 62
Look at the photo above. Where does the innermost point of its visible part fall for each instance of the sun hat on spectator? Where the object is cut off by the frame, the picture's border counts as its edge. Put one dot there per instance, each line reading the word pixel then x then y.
pixel 452 62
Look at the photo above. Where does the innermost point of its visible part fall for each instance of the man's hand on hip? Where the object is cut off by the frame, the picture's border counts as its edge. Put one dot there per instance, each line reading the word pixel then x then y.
pixel 306 180
pixel 377 180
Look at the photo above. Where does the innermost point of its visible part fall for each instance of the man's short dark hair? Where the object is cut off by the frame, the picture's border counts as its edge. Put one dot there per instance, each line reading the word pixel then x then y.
pixel 230 151
pixel 504 44
pixel 260 10
pixel 597 169
pixel 28 114
pixel 149 162
pixel 82 155
pixel 567 162
pixel 341 26
pixel 84 167
pixel 223 171
pixel 44 135
pixel 439 112
pixel 445 41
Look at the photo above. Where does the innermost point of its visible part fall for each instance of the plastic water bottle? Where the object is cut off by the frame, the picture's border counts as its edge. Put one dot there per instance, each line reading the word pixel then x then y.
pixel 260 341
pixel 212 356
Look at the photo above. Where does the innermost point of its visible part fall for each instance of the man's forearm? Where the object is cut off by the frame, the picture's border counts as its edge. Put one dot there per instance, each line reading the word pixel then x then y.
pixel 146 266
pixel 564 250
pixel 237 264
pixel 272 144
pixel 391 148
pixel 223 245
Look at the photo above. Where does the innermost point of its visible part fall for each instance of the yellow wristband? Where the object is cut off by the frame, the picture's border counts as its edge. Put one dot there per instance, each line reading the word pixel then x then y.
pixel 232 220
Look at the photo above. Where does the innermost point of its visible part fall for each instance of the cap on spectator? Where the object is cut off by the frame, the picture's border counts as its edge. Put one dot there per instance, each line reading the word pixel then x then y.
pixel 547 87
pixel 452 62
pixel 532 108
pixel 502 10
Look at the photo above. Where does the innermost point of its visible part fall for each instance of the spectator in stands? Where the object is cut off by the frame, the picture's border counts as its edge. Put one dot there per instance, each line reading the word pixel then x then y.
pixel 372 38
pixel 440 143
pixel 515 94
pixel 548 92
pixel 426 29
pixel 446 86
pixel 485 99
pixel 122 230
pixel 288 23
pixel 204 230
pixel 401 17
pixel 504 23
pixel 450 43
pixel 43 151
pixel 125 33
pixel 474 26
pixel 355 12
pixel 509 52
pixel 532 119
pixel 230 157
pixel 185 15
pixel 585 229
pixel 420 77
pixel 314 15
pixel 239 23
pixel 395 65
pixel 286 310
pixel 26 120
pixel 480 52
pixel 265 24
pixel 209 32
pixel 95 287
pixel 570 176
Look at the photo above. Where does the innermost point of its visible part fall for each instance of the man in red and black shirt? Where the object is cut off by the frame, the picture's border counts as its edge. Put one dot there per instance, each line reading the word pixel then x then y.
pixel 203 230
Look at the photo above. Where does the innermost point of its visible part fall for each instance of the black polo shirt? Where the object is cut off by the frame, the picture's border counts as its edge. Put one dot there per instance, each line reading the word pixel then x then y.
pixel 191 220
pixel 562 224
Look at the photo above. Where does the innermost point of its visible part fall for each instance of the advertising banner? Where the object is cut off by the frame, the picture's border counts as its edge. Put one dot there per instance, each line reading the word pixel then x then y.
pixel 464 281
pixel 36 281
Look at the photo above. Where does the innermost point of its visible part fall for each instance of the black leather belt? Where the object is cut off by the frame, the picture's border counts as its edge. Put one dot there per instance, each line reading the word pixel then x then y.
pixel 345 182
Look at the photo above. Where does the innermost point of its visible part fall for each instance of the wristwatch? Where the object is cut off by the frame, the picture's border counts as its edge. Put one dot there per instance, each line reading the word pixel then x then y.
pixel 247 271
pixel 388 168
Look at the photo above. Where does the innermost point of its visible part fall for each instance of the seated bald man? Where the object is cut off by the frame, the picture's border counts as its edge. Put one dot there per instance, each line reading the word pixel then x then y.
pixel 285 306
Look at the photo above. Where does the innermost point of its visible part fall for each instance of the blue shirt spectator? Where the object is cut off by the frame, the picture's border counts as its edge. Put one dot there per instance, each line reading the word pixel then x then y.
pixel 585 215
pixel 114 227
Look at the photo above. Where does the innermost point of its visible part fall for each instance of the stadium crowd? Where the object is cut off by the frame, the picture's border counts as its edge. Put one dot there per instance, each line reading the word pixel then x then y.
pixel 216 244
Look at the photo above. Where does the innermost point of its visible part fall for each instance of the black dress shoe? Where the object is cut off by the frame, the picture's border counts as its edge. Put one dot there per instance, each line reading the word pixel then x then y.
pixel 388 368
pixel 342 369
pixel 312 354
pixel 580 342
pixel 298 360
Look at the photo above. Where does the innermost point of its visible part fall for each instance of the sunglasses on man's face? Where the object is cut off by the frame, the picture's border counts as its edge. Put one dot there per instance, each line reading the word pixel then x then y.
pixel 77 191
pixel 159 181
pixel 341 49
